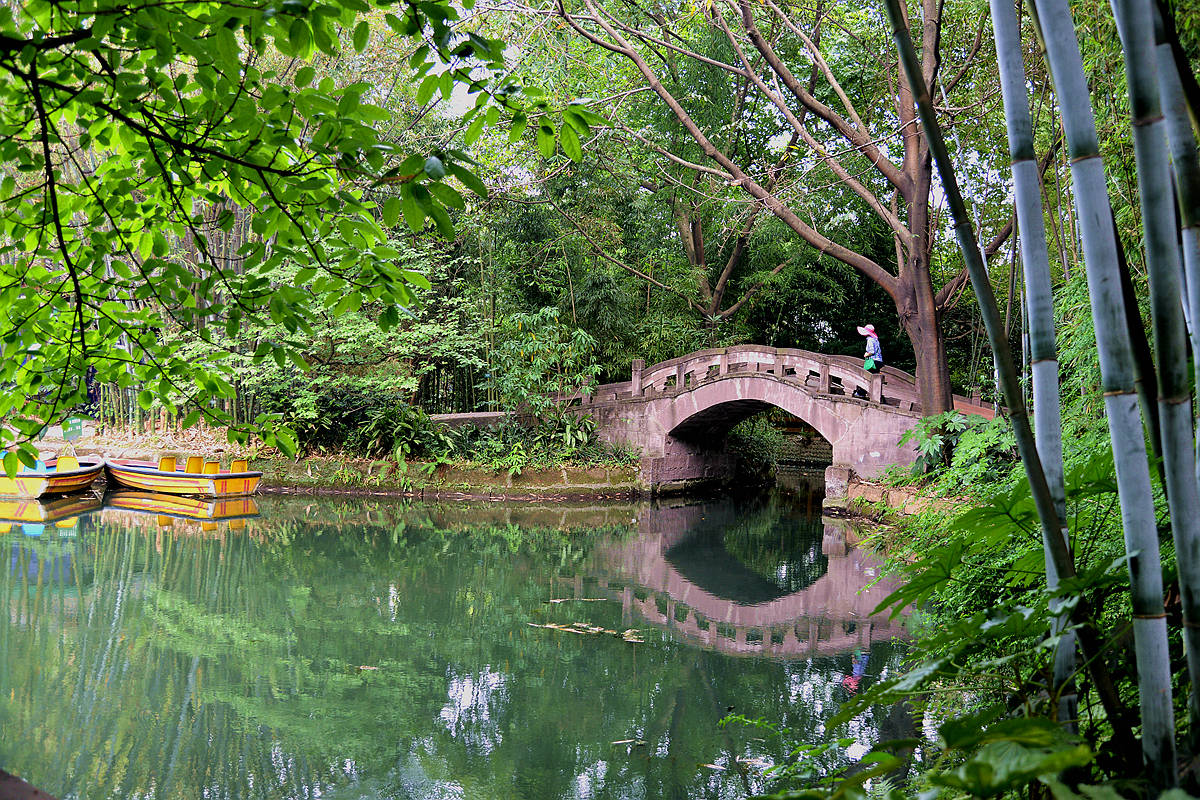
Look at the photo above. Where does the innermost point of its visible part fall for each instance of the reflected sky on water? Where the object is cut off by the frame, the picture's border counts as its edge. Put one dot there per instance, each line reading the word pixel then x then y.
pixel 378 649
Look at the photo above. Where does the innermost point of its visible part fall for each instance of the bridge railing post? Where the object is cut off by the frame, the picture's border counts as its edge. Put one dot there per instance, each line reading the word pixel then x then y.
pixel 876 390
pixel 636 379
pixel 823 380
pixel 780 365
pixel 723 363
pixel 679 377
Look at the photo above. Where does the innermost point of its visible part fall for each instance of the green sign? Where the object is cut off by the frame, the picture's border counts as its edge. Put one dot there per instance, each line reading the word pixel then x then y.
pixel 72 429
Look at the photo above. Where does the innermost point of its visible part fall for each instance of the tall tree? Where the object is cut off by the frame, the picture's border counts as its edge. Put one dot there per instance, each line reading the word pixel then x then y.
pixel 847 117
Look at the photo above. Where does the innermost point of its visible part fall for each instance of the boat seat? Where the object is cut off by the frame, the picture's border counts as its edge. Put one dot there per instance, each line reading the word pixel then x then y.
pixel 167 464
pixel 237 485
pixel 67 463
pixel 194 465
pixel 212 467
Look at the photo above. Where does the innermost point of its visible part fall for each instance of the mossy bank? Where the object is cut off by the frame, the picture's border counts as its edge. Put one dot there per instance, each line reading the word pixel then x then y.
pixel 432 480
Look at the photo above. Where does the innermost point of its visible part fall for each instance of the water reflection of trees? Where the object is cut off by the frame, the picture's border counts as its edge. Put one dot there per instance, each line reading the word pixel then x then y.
pixel 303 653
pixel 782 548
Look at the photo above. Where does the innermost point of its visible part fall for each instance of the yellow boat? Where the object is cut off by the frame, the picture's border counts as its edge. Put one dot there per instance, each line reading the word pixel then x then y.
pixel 196 477
pixel 63 475
pixel 198 508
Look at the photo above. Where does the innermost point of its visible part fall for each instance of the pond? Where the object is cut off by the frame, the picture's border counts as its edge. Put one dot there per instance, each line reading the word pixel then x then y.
pixel 355 648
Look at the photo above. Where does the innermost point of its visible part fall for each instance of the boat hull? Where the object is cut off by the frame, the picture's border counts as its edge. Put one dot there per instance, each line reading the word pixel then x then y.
pixel 148 477
pixel 32 485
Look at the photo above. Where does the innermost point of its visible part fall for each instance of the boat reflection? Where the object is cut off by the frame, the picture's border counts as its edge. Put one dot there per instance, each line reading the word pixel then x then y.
pixel 36 518
pixel 137 507
pixel 678 575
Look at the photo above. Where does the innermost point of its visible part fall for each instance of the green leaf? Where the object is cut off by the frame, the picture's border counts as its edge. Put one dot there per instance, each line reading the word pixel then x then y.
pixel 300 36
pixel 447 196
pixel 519 123
pixel 570 143
pixel 426 89
pixel 414 215
pixel 362 35
pixel 415 278
pixel 418 57
pixel 999 767
pixel 434 168
pixel 391 211
pixel 285 440
pixel 545 139
pixel 442 220
pixel 474 129
pixel 469 179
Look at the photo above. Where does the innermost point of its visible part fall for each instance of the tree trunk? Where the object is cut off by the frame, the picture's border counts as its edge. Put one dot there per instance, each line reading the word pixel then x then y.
pixel 933 373
pixel 921 320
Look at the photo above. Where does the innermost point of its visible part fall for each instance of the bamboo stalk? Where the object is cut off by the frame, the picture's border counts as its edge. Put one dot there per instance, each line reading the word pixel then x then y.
pixel 989 309
pixel 1186 161
pixel 1047 417
pixel 1120 397
pixel 1143 357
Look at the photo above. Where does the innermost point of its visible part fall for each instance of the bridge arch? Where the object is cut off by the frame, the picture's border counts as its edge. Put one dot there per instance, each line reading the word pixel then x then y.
pixel 714 407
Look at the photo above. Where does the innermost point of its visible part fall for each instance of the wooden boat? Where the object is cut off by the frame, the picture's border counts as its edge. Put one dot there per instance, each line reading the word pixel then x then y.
pixel 195 508
pixel 62 475
pixel 196 477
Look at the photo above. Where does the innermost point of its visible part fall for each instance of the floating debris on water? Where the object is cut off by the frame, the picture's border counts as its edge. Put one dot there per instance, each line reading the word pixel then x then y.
pixel 628 635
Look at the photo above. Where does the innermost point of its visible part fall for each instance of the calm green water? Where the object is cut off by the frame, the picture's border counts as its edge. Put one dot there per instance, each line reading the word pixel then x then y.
pixel 354 649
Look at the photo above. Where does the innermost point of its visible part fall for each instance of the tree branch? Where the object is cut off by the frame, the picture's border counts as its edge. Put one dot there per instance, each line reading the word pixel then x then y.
pixel 813 237
pixel 860 139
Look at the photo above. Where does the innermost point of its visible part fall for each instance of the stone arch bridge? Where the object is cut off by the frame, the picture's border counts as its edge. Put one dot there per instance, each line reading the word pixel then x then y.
pixel 678 412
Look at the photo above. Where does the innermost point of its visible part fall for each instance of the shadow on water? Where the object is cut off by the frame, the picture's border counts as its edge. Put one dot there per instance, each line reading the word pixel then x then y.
pixel 355 649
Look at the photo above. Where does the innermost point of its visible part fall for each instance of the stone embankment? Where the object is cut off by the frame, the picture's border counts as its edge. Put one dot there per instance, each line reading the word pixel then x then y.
pixel 853 493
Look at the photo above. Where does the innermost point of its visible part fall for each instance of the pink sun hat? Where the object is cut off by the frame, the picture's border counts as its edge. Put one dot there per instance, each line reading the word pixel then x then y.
pixel 867 330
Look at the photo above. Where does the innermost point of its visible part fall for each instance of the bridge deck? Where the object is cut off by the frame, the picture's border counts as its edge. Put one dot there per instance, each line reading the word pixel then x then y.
pixel 819 373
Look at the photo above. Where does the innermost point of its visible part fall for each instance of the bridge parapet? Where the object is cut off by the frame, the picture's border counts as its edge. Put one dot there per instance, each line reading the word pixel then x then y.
pixel 819 373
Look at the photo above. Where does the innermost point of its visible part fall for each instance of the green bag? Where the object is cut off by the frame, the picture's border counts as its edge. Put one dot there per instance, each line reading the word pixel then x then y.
pixel 869 364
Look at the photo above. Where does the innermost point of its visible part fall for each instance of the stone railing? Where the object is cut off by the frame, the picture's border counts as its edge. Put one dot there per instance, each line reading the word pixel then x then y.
pixel 817 373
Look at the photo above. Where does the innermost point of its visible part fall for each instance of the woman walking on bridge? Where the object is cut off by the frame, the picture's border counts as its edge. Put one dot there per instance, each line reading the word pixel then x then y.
pixel 873 358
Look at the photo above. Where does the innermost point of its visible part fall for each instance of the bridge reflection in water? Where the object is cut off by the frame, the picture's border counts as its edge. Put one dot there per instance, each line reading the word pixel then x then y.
pixel 807 590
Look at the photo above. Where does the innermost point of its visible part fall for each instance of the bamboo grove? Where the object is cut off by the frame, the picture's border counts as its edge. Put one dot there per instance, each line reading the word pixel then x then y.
pixel 1163 162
